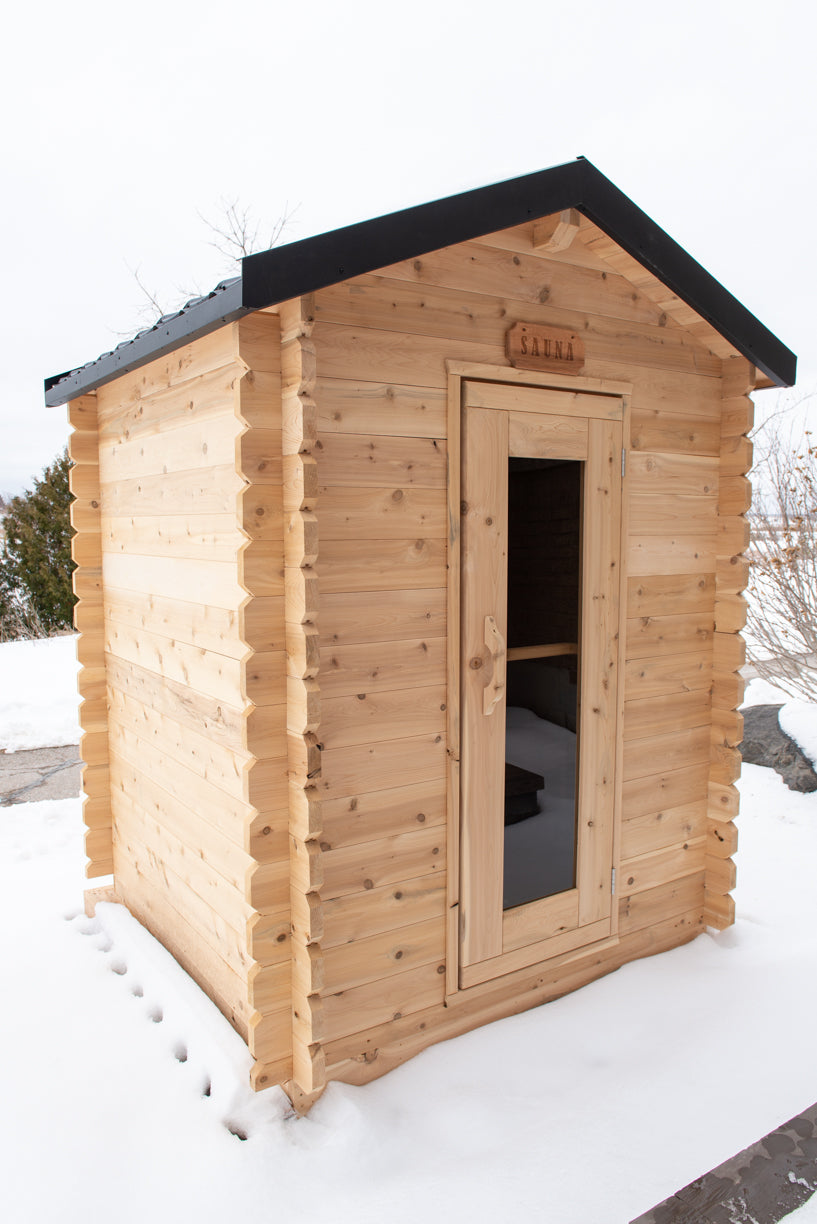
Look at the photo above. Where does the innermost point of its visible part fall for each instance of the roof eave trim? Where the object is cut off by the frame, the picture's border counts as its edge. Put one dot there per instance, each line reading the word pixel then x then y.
pixel 206 316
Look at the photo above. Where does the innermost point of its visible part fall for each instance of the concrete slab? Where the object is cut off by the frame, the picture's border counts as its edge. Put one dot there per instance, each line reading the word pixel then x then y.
pixel 39 773
pixel 761 1185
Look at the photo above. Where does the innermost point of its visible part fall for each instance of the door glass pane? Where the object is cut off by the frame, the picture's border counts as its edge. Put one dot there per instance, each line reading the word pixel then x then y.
pixel 542 716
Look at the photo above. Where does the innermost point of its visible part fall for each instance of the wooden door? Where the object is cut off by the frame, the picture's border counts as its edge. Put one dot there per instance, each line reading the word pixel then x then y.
pixel 512 429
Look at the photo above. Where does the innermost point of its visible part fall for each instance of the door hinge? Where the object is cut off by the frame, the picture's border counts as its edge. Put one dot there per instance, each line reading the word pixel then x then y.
pixel 623 461
pixel 613 881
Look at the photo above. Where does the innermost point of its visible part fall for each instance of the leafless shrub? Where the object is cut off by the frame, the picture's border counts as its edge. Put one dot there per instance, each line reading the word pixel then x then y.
pixel 782 595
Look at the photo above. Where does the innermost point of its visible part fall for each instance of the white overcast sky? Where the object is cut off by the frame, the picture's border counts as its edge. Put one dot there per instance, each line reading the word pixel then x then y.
pixel 122 122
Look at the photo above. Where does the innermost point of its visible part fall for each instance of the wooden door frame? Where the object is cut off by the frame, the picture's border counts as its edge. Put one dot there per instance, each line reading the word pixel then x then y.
pixel 457 373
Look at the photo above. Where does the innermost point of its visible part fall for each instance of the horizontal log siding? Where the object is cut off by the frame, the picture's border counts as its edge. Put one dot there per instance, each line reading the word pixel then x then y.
pixel 194 668
pixel 381 346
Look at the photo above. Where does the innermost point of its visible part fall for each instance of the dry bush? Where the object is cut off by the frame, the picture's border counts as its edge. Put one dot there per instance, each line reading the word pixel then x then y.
pixel 782 595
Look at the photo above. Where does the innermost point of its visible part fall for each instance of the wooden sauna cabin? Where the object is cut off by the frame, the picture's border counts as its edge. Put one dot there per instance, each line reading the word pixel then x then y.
pixel 410 572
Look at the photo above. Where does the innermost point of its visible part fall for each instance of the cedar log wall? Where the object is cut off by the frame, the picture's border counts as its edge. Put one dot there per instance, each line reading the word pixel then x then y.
pixel 179 474
pixel 381 343
pixel 225 673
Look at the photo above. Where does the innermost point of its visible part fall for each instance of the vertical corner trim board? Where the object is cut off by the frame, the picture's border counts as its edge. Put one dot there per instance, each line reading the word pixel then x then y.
pixel 83 449
pixel 299 438
pixel 728 650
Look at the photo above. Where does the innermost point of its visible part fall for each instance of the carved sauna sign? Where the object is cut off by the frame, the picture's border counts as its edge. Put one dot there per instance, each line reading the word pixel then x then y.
pixel 533 347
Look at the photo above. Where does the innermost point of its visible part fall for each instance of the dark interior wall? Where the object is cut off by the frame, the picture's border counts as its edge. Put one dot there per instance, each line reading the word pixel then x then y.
pixel 544 543
pixel 544 549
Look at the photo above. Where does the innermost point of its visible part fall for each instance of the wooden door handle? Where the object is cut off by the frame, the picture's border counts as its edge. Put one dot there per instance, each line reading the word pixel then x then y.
pixel 495 688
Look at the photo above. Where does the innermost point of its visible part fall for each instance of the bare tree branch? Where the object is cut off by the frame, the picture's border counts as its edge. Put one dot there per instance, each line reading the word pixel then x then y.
pixel 782 618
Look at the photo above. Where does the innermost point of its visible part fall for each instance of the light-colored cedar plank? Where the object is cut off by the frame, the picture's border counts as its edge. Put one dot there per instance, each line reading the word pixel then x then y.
pixel 725 767
pixel 733 535
pixel 655 715
pixel 484 568
pixel 670 594
pixel 215 932
pixel 222 768
pixel 727 727
pixel 736 456
pixel 670 751
pixel 202 714
pixel 358 616
pixel 719 911
pixel 212 490
pixel 197 825
pixel 735 495
pixel 368 767
pixel 527 278
pixel 381 1002
pixel 375 565
pixel 385 813
pixel 269 987
pixel 732 574
pixel 721 876
pixel 562 403
pixel 366 717
pixel 268 937
pixel 721 839
pixel 638 911
pixel 651 636
pixel 206 396
pixel 541 435
pixel 364 1056
pixel 371 912
pixel 670 788
pixel 201 537
pixel 261 512
pixel 668 513
pixel 151 905
pixel 390 860
pixel 728 652
pixel 83 412
pixel 687 475
pixel 381 666
pixel 362 461
pixel 349 406
pixel 677 554
pixel 203 671
pixel 184 364
pixel 668 433
pixel 381 514
pixel 728 690
pixel 190 446
pixel 380 956
pixel 377 302
pixel 730 613
pixel 83 480
pixel 724 801
pixel 395 357
pixel 668 673
pixel 269 1038
pixel 659 830
pixel 201 625
pixel 83 446
pixel 737 419
pixel 659 866
pixel 177 578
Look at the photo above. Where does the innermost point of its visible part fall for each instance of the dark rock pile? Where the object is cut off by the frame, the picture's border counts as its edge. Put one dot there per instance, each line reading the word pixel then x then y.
pixel 765 743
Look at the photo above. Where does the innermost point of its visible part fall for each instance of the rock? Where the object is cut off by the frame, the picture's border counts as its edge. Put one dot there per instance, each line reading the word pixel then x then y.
pixel 765 743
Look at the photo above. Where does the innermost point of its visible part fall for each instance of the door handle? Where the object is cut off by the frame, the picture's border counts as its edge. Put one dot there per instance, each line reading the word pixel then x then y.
pixel 495 688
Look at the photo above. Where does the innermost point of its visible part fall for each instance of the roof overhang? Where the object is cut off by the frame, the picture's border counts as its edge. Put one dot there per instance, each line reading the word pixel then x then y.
pixel 302 267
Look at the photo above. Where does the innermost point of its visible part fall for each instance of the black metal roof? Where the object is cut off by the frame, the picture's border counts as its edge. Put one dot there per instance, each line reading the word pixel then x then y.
pixel 302 267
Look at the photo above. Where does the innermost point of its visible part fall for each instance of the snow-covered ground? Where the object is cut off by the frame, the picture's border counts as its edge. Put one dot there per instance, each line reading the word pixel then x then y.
pixel 123 1091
